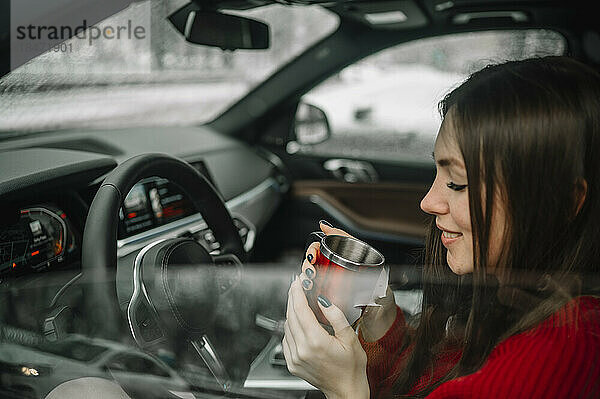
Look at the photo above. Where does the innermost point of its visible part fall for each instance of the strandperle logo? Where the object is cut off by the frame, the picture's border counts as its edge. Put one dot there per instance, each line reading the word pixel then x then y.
pixel 83 33
pixel 129 31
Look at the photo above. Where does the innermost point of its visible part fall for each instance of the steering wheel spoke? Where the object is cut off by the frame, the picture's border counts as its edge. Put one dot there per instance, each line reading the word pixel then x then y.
pixel 211 359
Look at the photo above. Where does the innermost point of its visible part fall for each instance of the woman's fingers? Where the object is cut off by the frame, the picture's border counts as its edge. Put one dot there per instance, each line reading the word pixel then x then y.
pixel 289 333
pixel 311 252
pixel 290 342
pixel 331 364
pixel 287 354
pixel 286 348
pixel 306 282
pixel 309 269
pixel 302 317
pixel 388 300
pixel 376 320
pixel 295 325
pixel 305 279
pixel 337 319
pixel 310 259
pixel 328 230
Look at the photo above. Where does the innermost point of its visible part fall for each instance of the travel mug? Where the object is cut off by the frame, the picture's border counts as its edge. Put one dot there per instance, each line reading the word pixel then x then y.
pixel 349 272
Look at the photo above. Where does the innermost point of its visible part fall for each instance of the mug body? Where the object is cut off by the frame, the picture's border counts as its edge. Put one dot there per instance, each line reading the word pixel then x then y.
pixel 347 272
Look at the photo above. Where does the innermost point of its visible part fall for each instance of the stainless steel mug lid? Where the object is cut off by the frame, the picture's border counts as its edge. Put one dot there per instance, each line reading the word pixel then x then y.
pixel 350 252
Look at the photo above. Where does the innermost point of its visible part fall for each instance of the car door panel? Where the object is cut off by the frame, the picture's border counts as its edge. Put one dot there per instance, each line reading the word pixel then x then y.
pixel 384 213
pixel 388 208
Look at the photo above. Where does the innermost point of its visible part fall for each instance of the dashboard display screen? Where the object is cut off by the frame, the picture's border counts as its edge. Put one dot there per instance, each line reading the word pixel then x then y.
pixel 151 203
pixel 39 238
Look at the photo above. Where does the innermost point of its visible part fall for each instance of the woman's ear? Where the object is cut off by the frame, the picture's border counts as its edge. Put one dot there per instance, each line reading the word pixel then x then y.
pixel 580 194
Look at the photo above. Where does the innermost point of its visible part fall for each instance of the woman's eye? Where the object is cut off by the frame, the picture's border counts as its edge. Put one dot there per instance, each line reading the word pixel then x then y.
pixel 456 187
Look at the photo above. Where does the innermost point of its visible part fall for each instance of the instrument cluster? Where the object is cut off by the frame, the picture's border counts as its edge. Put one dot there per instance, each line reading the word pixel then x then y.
pixel 40 237
pixel 151 203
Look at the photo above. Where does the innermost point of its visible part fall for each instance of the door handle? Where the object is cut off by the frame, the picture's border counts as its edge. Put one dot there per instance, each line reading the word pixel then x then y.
pixel 351 171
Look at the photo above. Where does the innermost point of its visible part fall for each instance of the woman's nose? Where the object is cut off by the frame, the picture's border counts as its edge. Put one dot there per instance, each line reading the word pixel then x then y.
pixel 434 202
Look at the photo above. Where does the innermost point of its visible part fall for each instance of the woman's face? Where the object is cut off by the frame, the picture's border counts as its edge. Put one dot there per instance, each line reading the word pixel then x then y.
pixel 448 201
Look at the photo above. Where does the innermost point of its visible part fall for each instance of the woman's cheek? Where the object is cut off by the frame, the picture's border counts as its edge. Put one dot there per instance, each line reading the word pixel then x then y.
pixel 468 254
pixel 462 219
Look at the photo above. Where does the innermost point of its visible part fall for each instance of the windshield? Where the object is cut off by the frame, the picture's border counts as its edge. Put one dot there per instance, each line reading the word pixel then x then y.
pixel 164 81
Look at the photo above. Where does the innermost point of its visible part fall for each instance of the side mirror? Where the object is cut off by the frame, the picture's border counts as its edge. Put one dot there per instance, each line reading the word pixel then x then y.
pixel 213 28
pixel 311 125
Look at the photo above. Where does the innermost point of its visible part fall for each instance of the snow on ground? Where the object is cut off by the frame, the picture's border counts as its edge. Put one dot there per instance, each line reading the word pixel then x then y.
pixel 403 100
pixel 400 115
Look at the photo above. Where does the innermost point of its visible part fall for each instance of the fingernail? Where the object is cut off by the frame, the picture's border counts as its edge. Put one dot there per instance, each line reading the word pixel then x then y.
pixel 306 283
pixel 324 301
pixel 309 273
pixel 325 222
pixel 309 257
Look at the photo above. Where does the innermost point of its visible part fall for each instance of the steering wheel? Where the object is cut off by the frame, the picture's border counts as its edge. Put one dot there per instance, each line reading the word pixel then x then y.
pixel 175 281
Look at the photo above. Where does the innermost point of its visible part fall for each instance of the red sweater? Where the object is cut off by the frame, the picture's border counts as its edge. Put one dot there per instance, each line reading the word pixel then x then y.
pixel 559 358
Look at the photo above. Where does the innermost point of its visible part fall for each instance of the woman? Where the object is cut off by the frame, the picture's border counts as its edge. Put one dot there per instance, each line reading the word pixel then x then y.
pixel 512 243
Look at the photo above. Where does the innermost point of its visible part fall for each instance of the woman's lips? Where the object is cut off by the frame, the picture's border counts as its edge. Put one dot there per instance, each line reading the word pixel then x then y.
pixel 450 237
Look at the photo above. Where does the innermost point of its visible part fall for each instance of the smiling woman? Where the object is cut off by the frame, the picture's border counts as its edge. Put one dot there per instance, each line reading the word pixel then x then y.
pixel 528 164
pixel 510 259
pixel 448 200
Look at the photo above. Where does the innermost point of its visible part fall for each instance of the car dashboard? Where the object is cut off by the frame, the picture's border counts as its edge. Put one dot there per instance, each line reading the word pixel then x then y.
pixel 47 183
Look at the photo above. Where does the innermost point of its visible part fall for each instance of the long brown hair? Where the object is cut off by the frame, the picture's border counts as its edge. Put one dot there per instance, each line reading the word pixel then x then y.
pixel 528 132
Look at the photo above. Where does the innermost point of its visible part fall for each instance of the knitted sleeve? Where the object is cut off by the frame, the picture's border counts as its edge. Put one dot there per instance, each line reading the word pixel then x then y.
pixel 382 356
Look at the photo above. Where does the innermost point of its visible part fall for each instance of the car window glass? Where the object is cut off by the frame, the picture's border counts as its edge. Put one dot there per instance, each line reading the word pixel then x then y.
pixel 114 83
pixel 384 107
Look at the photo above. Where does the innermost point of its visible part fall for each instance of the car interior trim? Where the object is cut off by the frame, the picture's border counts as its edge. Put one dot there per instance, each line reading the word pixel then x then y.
pixel 251 194
pixel 26 171
pixel 195 223
pixel 137 288
pixel 368 234
pixel 195 220
pixel 264 374
pixel 63 289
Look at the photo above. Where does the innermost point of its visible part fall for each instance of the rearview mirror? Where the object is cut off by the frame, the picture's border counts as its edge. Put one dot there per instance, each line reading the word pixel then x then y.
pixel 213 28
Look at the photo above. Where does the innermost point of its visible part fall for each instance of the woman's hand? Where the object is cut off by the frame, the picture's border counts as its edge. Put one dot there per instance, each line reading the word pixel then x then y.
pixel 334 364
pixel 310 257
pixel 375 320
